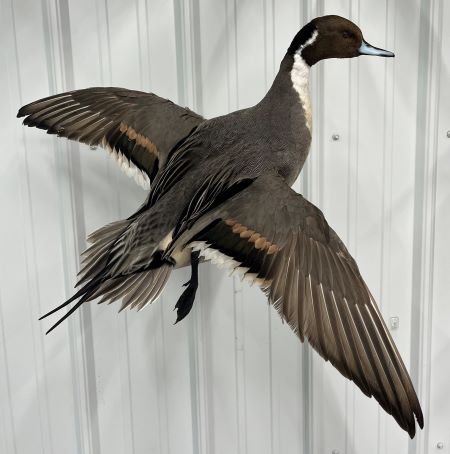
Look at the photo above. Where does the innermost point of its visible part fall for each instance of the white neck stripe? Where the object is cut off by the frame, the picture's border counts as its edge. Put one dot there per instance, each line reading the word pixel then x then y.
pixel 309 42
pixel 300 79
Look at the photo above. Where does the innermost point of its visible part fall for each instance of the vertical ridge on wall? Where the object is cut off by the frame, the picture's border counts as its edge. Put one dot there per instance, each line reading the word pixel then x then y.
pixel 8 431
pixel 239 364
pixel 31 275
pixel 312 189
pixel 307 369
pixel 232 62
pixel 57 32
pixel 239 353
pixel 351 240
pixel 427 134
pixel 9 426
pixel 387 164
pixel 439 408
pixel 190 93
pixel 188 55
pixel 269 58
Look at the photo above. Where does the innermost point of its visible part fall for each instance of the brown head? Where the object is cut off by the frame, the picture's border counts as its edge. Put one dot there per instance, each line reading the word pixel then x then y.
pixel 332 37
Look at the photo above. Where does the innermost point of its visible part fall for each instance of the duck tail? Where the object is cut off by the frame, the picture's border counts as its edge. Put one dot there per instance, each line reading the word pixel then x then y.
pixel 95 257
pixel 137 289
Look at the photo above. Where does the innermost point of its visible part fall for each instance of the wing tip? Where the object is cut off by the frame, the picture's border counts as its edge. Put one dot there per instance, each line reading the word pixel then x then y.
pixel 419 417
pixel 27 109
pixel 409 424
pixel 23 111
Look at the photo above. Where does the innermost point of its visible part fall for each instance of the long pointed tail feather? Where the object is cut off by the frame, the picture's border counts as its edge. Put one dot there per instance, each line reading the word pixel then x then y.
pixel 137 290
pixel 85 292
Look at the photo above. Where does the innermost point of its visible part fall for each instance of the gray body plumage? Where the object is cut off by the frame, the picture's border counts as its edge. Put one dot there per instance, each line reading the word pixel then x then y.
pixel 271 136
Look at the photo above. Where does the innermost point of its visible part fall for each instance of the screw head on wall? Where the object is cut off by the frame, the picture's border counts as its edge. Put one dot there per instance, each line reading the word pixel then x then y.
pixel 394 322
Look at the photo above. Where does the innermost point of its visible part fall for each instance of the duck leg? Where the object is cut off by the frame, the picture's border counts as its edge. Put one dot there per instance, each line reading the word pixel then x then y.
pixel 186 300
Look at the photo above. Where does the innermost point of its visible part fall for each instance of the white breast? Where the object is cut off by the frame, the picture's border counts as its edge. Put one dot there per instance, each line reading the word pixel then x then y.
pixel 300 79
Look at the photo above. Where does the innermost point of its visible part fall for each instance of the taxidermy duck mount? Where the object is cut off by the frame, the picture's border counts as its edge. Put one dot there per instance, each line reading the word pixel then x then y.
pixel 220 189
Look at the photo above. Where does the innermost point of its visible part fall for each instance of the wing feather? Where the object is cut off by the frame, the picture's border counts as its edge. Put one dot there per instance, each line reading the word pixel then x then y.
pixel 139 128
pixel 312 281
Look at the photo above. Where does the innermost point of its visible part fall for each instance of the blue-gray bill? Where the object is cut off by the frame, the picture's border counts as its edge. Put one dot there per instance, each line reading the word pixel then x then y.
pixel 367 49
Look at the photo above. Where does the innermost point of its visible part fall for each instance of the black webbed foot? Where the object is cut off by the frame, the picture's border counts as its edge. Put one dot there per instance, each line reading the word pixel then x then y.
pixel 186 300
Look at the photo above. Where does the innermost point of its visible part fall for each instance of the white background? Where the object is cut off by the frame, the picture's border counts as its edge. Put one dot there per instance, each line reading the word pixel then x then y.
pixel 231 378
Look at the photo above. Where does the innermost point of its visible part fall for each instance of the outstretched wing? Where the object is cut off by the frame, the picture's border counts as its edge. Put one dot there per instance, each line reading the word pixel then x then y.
pixel 138 128
pixel 281 242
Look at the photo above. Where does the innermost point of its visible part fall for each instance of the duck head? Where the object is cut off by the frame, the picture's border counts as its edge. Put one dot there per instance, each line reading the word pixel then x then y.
pixel 332 37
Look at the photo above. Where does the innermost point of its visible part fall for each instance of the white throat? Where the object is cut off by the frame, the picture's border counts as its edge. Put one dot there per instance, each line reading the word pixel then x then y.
pixel 300 79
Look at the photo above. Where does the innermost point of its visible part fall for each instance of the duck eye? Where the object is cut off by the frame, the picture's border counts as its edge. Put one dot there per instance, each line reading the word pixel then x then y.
pixel 346 35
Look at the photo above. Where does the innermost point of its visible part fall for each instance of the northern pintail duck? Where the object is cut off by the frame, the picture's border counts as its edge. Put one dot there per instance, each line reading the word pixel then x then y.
pixel 220 190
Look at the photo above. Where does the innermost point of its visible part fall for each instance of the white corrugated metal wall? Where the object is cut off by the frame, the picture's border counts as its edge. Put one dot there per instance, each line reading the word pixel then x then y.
pixel 231 378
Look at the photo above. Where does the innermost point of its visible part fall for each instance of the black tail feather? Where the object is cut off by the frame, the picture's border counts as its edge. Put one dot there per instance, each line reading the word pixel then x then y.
pixel 85 292
pixel 56 309
pixel 67 314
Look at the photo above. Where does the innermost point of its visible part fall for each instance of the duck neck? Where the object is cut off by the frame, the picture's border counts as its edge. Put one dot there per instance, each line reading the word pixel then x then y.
pixel 290 90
